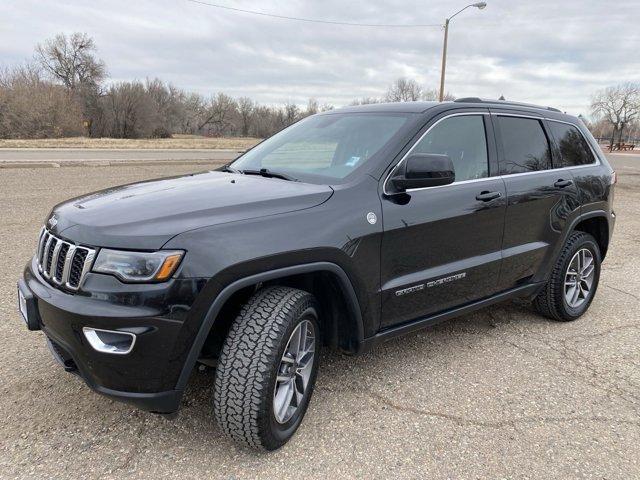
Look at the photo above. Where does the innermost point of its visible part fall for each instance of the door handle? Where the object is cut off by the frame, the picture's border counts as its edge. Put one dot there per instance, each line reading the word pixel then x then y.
pixel 487 196
pixel 563 183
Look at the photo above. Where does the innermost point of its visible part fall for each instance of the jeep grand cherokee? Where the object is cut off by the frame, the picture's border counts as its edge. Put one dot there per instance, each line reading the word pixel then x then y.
pixel 346 229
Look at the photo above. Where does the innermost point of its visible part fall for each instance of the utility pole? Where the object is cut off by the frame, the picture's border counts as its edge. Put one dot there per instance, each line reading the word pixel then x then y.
pixel 479 6
pixel 444 59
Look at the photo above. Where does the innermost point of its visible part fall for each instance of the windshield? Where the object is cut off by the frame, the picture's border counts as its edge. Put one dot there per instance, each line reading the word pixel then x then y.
pixel 330 146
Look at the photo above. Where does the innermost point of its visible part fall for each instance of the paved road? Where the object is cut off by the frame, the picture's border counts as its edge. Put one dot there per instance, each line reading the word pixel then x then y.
pixel 99 155
pixel 625 160
pixel 501 393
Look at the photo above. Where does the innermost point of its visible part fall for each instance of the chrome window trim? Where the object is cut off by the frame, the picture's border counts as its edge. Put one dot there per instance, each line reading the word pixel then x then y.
pixel 595 155
pixel 506 176
pixel 593 152
pixel 461 114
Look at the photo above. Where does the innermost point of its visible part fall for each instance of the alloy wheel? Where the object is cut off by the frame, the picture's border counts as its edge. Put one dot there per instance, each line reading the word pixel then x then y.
pixel 578 280
pixel 294 372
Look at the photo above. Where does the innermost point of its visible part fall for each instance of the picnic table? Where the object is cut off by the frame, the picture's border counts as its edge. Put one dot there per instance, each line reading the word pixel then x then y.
pixel 621 146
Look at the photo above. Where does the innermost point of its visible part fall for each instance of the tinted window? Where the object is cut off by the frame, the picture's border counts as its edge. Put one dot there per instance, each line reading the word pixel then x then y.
pixel 525 145
pixel 329 146
pixel 463 139
pixel 574 149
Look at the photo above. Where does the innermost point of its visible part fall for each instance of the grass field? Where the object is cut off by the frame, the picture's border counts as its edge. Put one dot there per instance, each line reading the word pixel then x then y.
pixel 176 142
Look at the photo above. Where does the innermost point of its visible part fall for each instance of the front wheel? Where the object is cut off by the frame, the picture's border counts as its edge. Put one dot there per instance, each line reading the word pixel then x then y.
pixel 267 368
pixel 573 281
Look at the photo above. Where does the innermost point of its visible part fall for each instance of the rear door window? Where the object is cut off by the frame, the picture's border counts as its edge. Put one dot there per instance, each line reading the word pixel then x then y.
pixel 574 149
pixel 524 144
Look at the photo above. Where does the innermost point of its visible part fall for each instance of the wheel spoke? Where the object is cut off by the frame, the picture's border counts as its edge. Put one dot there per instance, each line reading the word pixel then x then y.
pixel 300 388
pixel 305 373
pixel 575 296
pixel 588 270
pixel 294 342
pixel 291 385
pixel 283 400
pixel 302 339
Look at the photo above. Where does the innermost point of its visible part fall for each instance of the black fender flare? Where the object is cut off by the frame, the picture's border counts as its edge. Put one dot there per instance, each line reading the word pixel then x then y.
pixel 586 216
pixel 571 228
pixel 235 286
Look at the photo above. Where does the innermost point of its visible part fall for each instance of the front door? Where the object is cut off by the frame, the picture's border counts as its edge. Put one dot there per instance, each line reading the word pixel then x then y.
pixel 441 246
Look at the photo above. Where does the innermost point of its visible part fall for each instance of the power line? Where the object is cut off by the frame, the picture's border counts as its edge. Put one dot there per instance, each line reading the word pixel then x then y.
pixel 311 20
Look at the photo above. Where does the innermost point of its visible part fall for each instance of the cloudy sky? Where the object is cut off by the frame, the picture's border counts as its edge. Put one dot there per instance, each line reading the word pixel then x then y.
pixel 541 51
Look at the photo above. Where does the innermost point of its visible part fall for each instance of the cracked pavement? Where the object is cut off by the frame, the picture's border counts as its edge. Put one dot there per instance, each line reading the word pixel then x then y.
pixel 502 393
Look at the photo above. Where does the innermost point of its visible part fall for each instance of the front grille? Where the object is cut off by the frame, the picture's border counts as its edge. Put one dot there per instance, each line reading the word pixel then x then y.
pixel 63 263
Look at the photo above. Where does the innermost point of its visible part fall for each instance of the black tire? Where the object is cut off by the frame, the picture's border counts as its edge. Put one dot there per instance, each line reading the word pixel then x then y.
pixel 250 361
pixel 551 301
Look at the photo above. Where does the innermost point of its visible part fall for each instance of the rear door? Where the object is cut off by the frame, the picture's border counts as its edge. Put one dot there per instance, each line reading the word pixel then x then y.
pixel 441 245
pixel 540 200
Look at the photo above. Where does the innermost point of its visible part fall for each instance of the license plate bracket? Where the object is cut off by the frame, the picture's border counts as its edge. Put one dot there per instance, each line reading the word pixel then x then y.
pixel 27 308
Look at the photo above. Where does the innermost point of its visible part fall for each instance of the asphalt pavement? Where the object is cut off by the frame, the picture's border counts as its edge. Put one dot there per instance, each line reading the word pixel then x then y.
pixel 104 157
pixel 502 393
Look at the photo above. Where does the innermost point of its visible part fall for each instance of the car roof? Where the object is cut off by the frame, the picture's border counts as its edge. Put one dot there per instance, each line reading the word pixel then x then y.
pixel 394 107
pixel 421 107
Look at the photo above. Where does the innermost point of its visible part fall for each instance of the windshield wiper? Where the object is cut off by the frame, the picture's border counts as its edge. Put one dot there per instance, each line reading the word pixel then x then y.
pixel 264 172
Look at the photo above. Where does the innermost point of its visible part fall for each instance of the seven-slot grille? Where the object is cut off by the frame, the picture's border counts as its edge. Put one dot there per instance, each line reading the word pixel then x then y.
pixel 63 263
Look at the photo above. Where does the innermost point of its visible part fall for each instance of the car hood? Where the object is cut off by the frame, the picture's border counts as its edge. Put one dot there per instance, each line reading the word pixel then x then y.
pixel 146 215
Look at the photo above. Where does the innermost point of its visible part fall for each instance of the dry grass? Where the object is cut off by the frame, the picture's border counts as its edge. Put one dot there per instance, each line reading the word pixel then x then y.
pixel 177 142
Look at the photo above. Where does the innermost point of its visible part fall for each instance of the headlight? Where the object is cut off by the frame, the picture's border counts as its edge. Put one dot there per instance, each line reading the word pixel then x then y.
pixel 138 266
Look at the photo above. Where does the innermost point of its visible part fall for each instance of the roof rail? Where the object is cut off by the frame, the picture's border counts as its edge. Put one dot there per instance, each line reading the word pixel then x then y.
pixel 505 102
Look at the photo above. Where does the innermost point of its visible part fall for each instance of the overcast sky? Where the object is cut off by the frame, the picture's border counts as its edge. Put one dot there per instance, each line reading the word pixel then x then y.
pixel 541 51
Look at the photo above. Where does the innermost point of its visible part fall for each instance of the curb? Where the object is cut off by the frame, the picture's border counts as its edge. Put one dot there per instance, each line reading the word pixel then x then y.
pixel 109 163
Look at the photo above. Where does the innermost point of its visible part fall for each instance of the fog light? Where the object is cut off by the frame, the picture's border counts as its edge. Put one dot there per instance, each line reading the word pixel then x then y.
pixel 110 341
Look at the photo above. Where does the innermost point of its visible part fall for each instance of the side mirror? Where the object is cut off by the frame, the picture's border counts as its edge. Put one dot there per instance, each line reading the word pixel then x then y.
pixel 422 170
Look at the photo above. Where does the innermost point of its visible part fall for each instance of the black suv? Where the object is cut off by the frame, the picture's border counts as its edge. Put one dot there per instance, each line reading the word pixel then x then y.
pixel 344 230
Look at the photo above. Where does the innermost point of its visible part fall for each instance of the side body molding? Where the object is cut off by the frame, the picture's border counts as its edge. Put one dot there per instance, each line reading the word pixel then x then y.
pixel 230 289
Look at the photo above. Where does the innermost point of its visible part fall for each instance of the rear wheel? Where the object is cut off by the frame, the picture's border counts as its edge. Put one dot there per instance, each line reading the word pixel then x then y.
pixel 573 281
pixel 267 368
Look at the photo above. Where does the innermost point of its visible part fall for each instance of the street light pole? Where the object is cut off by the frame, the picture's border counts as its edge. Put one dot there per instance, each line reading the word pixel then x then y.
pixel 479 6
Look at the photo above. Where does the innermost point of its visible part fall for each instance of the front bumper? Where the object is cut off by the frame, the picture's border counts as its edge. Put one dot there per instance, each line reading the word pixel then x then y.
pixel 144 377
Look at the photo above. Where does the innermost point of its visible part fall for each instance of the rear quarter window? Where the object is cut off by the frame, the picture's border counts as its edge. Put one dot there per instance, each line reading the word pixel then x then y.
pixel 525 146
pixel 573 147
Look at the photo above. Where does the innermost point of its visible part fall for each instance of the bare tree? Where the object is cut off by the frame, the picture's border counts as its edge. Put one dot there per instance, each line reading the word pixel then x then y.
pixel 130 110
pixel 32 107
pixel 619 105
pixel 404 90
pixel 71 60
pixel 291 113
pixel 431 95
pixel 216 117
pixel 246 109
pixel 313 107
pixel 365 101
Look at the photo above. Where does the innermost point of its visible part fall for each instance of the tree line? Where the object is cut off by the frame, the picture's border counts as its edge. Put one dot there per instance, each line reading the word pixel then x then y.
pixel 64 92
